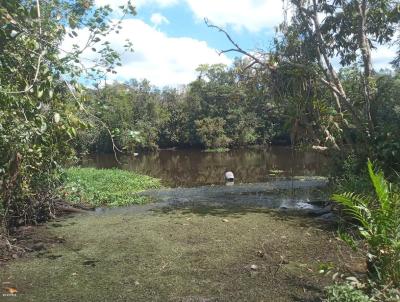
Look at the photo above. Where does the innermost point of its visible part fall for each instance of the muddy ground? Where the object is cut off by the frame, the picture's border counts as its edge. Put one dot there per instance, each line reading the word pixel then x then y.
pixel 197 253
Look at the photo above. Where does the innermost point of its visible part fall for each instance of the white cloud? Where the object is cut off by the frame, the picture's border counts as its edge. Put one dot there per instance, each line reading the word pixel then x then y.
pixel 382 56
pixel 161 3
pixel 253 15
pixel 161 59
pixel 137 3
pixel 157 19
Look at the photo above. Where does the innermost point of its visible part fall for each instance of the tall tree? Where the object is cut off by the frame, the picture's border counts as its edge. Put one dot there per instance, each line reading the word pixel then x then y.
pixel 319 32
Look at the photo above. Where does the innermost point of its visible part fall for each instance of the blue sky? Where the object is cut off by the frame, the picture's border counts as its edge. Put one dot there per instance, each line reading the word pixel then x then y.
pixel 171 39
pixel 182 22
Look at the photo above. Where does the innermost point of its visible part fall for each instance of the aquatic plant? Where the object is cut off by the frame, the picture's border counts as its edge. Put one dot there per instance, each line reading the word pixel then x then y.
pixel 110 187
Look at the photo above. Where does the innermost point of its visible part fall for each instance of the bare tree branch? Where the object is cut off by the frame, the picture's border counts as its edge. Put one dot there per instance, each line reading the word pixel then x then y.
pixel 237 48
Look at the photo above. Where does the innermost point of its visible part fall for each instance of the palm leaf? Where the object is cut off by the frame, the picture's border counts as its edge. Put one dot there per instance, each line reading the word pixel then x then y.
pixel 381 187
pixel 355 206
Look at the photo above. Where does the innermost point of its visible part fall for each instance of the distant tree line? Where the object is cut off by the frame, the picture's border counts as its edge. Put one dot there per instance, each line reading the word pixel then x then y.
pixel 239 106
pixel 223 107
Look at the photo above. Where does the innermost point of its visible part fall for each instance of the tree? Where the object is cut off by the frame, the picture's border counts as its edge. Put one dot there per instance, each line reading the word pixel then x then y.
pixel 211 132
pixel 40 95
pixel 318 32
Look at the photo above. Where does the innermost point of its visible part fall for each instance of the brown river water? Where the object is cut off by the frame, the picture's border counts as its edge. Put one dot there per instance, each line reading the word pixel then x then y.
pixel 193 167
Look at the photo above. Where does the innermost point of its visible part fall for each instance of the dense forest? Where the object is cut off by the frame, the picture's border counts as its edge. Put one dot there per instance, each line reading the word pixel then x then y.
pixel 53 108
pixel 223 107
pixel 234 106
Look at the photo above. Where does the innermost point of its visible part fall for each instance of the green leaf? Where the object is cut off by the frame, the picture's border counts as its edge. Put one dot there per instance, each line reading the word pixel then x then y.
pixel 40 94
pixel 380 185
pixel 72 22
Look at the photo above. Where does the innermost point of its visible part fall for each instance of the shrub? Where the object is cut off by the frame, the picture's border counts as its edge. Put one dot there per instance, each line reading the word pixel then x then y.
pixel 345 293
pixel 350 176
pixel 378 218
pixel 211 132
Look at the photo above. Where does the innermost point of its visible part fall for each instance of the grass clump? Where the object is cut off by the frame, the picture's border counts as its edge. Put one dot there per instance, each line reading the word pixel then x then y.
pixel 112 187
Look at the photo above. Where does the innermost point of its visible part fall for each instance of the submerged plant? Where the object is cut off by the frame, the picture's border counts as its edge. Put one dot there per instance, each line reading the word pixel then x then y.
pixel 378 218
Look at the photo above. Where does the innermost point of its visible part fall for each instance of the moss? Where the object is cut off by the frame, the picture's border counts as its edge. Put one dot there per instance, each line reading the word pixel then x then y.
pixel 110 187
pixel 180 255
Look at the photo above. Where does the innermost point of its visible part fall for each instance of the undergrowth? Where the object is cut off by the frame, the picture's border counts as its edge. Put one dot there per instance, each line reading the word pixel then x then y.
pixel 376 216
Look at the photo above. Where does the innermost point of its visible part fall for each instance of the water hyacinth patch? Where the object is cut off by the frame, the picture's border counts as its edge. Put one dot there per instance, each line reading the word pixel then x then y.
pixel 111 187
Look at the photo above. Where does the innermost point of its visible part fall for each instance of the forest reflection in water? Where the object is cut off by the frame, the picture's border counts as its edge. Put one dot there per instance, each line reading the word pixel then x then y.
pixel 193 167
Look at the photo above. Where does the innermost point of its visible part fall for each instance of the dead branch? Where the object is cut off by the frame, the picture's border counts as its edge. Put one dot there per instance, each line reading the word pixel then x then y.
pixel 237 48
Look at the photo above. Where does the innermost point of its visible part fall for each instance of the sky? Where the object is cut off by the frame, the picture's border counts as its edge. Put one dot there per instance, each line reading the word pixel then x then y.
pixel 170 38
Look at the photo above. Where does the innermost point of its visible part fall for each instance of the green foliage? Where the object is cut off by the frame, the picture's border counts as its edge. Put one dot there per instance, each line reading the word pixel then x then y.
pixel 238 95
pixel 351 176
pixel 211 132
pixel 217 150
pixel 40 98
pixel 386 112
pixel 379 224
pixel 111 187
pixel 144 117
pixel 345 293
pixel 324 107
pixel 134 113
pixel 354 291
pixel 384 146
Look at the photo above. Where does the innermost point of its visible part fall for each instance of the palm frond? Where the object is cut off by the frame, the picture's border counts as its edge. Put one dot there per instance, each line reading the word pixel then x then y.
pixel 381 187
pixel 355 206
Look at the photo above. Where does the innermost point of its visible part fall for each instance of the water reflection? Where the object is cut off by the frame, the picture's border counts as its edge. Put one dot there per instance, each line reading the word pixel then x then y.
pixel 192 167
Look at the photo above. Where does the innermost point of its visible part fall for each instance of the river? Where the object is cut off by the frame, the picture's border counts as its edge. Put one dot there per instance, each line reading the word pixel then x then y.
pixel 193 167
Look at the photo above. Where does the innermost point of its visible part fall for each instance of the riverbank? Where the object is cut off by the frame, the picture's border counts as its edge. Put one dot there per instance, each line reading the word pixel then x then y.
pixel 186 254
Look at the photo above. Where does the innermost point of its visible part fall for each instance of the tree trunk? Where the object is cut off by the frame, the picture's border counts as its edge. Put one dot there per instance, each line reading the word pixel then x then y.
pixel 366 58
pixel 10 182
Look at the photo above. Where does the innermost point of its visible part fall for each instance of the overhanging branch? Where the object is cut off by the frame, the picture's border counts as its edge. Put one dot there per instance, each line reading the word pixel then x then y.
pixel 237 48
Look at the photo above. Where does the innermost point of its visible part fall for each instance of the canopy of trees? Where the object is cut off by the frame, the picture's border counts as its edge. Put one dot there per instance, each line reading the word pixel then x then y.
pixel 40 96
pixel 223 107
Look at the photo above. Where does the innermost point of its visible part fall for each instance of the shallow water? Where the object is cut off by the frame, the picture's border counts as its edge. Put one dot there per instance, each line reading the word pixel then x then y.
pixel 301 196
pixel 192 167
